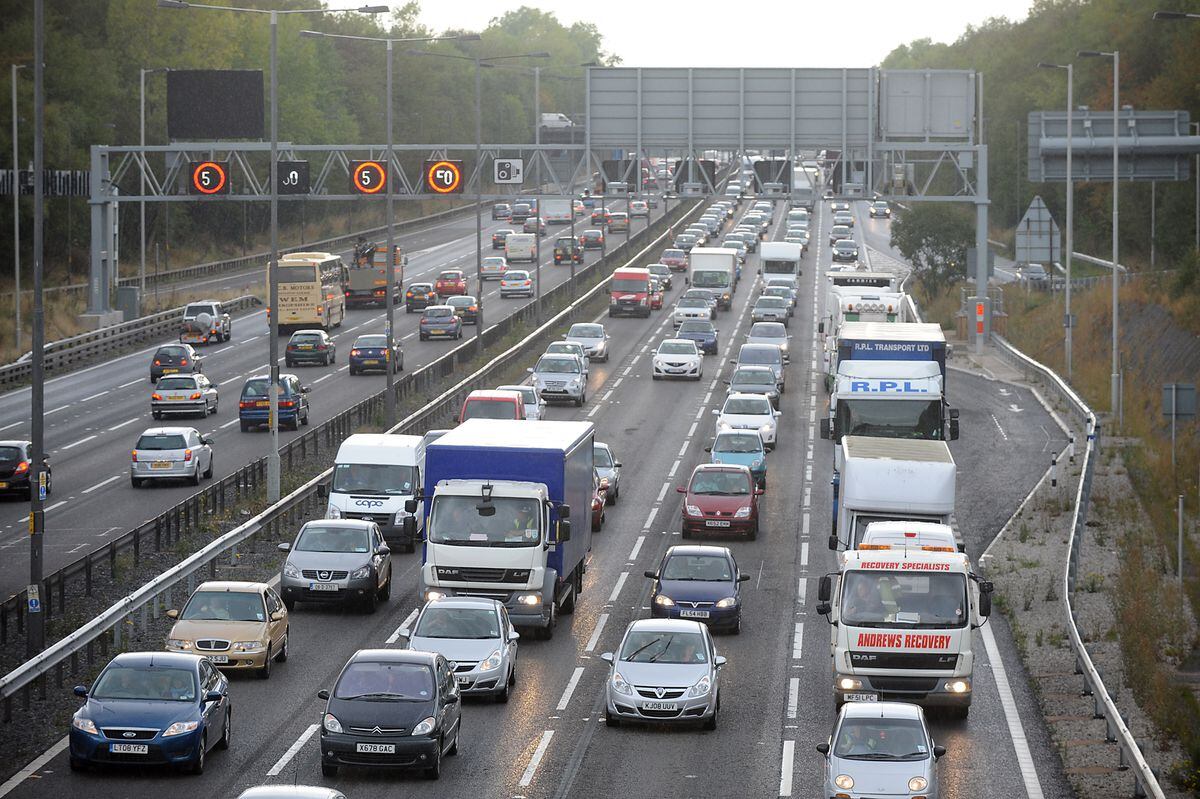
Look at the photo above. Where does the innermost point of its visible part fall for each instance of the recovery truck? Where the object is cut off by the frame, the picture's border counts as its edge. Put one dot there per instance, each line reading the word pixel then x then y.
pixel 368 279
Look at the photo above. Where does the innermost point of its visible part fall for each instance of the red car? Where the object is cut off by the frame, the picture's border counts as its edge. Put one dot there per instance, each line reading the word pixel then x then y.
pixel 656 295
pixel 599 500
pixel 451 282
pixel 720 498
pixel 675 259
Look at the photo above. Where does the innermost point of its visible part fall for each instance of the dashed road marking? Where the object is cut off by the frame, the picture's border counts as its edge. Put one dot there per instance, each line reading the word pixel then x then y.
pixel 101 484
pixel 536 760
pixel 621 578
pixel 287 756
pixel 570 689
pixel 637 547
pixel 595 639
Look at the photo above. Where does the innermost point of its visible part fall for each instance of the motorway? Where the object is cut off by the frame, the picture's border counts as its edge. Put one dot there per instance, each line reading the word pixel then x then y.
pixel 549 740
pixel 94 416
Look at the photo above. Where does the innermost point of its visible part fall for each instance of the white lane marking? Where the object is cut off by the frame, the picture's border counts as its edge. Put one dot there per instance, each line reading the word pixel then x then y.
pixel 798 642
pixel 101 484
pixel 224 349
pixel 570 689
pixel 617 384
pixel 662 492
pixel 10 426
pixel 650 518
pixel 120 425
pixel 637 547
pixel 692 430
pixel 595 639
pixel 58 504
pixel 56 410
pixel 77 443
pixel 805 522
pixel 682 449
pixel 621 578
pixel 592 412
pixel 607 394
pixel 793 701
pixel 785 768
pixel 96 396
pixel 130 383
pixel 34 766
pixel 802 592
pixel 804 555
pixel 1016 731
pixel 319 379
pixel 536 760
pixel 395 636
pixel 282 762
pixel 227 424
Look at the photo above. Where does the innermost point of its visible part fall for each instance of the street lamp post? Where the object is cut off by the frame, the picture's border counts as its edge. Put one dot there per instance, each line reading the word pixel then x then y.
pixel 1115 383
pixel 35 640
pixel 16 190
pixel 1067 322
pixel 389 397
pixel 142 73
pixel 273 468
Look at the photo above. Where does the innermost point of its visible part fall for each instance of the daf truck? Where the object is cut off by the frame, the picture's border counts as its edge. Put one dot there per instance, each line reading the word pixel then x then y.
pixel 714 268
pixel 498 498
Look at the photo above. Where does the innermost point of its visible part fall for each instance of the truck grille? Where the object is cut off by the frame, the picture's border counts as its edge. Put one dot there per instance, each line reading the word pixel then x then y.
pixel 482 575
pixel 904 660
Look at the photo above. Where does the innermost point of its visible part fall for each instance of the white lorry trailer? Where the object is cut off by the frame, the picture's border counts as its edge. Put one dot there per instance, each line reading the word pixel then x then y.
pixel 781 259
pixel 714 268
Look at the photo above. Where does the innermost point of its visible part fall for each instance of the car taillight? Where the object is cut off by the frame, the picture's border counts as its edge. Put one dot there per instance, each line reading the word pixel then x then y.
pixel 347 292
pixel 195 396
pixel 157 362
pixel 409 295
pixel 322 347
pixel 183 362
pixel 134 455
pixel 286 403
pixel 22 467
pixel 156 396
pixel 320 310
pixel 473 308
pixel 245 404
pixel 187 455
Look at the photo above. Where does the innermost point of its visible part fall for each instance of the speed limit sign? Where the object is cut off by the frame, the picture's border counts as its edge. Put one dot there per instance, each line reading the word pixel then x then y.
pixel 293 177
pixel 208 177
pixel 444 177
pixel 367 177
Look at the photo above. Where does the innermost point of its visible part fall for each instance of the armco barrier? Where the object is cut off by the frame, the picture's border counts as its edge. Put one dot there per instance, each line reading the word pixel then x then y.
pixel 86 348
pixel 1145 781
pixel 166 528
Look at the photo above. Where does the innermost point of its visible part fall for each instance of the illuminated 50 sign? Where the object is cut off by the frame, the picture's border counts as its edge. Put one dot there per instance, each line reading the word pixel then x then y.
pixel 444 177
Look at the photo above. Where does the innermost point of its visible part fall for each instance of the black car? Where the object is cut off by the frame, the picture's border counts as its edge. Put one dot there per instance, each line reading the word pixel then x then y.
pixel 500 236
pixel 663 273
pixel 501 211
pixel 310 346
pixel 174 358
pixel 16 469
pixel 391 708
pixel 419 297
pixel 369 353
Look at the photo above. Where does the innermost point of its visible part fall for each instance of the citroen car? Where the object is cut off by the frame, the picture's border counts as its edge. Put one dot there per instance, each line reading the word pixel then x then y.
pixel 881 749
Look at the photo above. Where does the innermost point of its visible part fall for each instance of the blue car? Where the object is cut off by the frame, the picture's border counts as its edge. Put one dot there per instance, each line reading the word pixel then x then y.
pixel 370 353
pixel 254 405
pixel 702 332
pixel 701 583
pixel 741 448
pixel 152 708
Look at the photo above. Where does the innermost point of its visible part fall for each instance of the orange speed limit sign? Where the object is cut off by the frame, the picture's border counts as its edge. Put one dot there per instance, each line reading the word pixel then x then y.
pixel 209 177
pixel 444 177
pixel 368 177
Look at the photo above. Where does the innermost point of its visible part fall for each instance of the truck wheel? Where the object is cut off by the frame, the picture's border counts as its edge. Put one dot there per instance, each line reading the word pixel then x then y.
pixel 958 713
pixel 568 605
pixel 548 630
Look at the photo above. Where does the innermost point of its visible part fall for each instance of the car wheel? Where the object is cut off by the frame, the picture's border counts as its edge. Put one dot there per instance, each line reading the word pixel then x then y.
pixel 371 602
pixel 685 533
pixel 710 724
pixel 195 478
pixel 133 481
pixel 548 630
pixel 198 763
pixel 424 337
pixel 958 713
pixel 385 593
pixel 284 649
pixel 245 427
pixel 737 627
pixel 77 764
pixel 288 363
pixel 304 420
pixel 290 604
pixel 455 747
pixel 227 733
pixel 353 371
pixel 156 414
pixel 216 404
pixel 435 770
pixel 754 531
pixel 610 720
pixel 329 770
pixel 208 473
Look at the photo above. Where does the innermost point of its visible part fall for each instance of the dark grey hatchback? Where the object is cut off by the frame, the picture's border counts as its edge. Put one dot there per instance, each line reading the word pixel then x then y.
pixel 391 708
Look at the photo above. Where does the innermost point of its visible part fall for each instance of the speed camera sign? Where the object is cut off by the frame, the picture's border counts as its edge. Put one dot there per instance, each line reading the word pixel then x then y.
pixel 508 170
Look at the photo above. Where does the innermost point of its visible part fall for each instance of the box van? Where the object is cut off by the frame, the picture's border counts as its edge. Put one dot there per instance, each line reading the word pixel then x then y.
pixel 374 474
pixel 520 247
pixel 497 404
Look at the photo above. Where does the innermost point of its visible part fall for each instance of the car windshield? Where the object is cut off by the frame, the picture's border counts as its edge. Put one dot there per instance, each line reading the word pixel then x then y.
pixel 720 482
pixel 586 331
pixel 439 313
pixel 383 682
pixel 224 606
pixel 693 302
pixel 767 330
pixel 161 441
pixel 383 479
pixel 176 383
pixel 738 442
pixel 754 377
pixel 762 354
pixel 602 457
pixel 696 327
pixel 677 348
pixel 151 683
pixel 480 408
pixel 840 230
pixel 663 647
pixel 903 599
pixel 322 538
pixel 629 284
pixel 557 365
pixel 770 302
pixel 751 406
pixel 439 622
pixel 457 520
pixel 703 568
pixel 196 310
pixel 881 739
pixel 516 276
pixel 171 352
pixel 845 244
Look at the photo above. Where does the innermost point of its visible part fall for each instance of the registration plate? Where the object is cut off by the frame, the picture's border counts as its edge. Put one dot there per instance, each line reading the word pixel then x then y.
pixel 716 523
pixel 660 706
pixel 304 347
pixel 129 749
pixel 371 363
pixel 176 399
pixel 161 465
pixel 322 587
pixel 464 680
pixel 262 404
pixel 862 697
pixel 169 371
pixel 3 485
pixel 693 614
pixel 219 658
pixel 376 749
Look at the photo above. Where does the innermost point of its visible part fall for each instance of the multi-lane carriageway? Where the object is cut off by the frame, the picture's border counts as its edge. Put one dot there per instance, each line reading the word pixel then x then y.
pixel 549 740
pixel 94 416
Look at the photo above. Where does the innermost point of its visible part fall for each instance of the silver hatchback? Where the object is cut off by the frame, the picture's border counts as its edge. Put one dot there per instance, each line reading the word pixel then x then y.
pixel 476 635
pixel 192 394
pixel 560 377
pixel 163 453
pixel 666 670
pixel 881 749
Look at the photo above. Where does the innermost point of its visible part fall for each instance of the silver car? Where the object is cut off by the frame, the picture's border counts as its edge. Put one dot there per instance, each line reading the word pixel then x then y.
pixel 666 670
pixel 343 561
pixel 763 355
pixel 535 406
pixel 770 333
pixel 190 394
pixel 770 309
pixel 171 452
pixel 560 377
pixel 474 633
pixel 592 337
pixel 689 308
pixel 881 749
pixel 608 467
pixel 570 348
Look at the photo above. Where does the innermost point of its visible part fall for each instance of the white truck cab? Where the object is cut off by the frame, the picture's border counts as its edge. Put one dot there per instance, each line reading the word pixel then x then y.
pixel 373 476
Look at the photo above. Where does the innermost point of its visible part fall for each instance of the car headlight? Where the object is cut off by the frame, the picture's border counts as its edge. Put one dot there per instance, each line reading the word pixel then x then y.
pixel 727 602
pixel 492 661
pixel 756 463
pixel 692 510
pixel 290 570
pixel 85 724
pixel 664 600
pixel 181 727
pixel 918 784
pixel 361 573
pixel 742 512
pixel 178 643
pixel 620 686
pixel 768 428
pixel 333 513
pixel 844 781
pixel 702 687
pixel 248 646
pixel 575 382
pixel 331 723
pixel 424 726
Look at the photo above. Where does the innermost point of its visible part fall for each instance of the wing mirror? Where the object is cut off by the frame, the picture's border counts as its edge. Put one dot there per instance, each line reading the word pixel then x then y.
pixel 213 696
pixel 650 574
pixel 81 691
pixel 322 491
pixel 410 506
pixel 743 578
pixel 607 657
pixel 825 588
pixel 383 549
pixel 323 694
pixel 284 547
pixel 305 389
pixel 823 748
pixel 173 613
pixel 719 661
pixel 278 616
pixel 680 490
pixel 939 752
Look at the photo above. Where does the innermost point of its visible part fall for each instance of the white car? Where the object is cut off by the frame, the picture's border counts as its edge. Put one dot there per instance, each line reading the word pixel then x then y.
pixel 592 337
pixel 677 357
pixel 749 412
pixel 493 266
pixel 689 308
pixel 770 333
pixel 516 283
pixel 535 406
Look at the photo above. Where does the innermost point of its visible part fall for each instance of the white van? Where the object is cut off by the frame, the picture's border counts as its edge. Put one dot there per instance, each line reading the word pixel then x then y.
pixel 520 247
pixel 374 474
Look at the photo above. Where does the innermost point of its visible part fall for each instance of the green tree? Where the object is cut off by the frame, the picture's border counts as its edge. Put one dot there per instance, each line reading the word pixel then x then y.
pixel 934 238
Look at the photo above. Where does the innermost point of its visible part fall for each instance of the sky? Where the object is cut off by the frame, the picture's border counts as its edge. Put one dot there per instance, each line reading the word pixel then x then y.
pixel 770 33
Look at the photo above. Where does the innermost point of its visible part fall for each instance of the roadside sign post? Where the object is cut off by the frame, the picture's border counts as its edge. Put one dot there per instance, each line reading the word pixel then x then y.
pixel 1179 402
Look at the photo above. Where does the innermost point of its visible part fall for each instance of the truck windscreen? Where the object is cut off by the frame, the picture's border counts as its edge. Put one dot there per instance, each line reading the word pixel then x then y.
pixel 714 279
pixel 373 478
pixel 456 521
pixel 780 267
pixel 890 418
pixel 903 599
